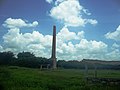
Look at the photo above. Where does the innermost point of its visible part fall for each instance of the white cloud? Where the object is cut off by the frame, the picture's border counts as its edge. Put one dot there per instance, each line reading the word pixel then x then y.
pixel 114 35
pixel 113 55
pixel 91 49
pixel 86 12
pixel 80 35
pixel 58 1
pixel 91 21
pixel 70 13
pixel 67 49
pixel 115 45
pixel 92 46
pixel 49 1
pixel 40 44
pixel 34 42
pixel 66 35
pixel 1 48
pixel 18 23
pixel 84 49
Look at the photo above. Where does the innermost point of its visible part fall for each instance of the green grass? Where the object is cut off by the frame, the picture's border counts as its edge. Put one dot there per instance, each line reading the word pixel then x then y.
pixel 19 78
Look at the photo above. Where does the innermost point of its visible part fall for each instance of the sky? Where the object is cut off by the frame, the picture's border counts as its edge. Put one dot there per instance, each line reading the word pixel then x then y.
pixel 86 29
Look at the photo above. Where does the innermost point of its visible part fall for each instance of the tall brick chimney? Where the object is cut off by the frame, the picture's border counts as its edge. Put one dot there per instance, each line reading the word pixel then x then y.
pixel 53 57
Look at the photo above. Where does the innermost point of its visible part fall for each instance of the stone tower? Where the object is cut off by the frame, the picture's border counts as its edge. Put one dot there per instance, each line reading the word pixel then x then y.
pixel 53 57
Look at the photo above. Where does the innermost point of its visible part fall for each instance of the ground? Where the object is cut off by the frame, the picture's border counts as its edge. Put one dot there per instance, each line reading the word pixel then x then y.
pixel 20 78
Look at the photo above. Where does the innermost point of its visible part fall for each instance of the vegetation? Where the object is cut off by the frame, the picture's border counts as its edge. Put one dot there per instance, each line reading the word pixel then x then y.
pixel 27 59
pixel 24 59
pixel 23 73
pixel 19 78
pixel 6 58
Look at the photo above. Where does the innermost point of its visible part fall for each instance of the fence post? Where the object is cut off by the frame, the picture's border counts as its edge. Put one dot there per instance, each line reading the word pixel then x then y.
pixel 95 74
pixel 86 70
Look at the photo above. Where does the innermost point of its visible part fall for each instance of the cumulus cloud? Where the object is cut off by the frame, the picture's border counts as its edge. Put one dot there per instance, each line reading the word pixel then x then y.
pixel 58 1
pixel 16 41
pixel 115 45
pixel 70 13
pixel 66 35
pixel 86 11
pixel 92 21
pixel 91 49
pixel 114 35
pixel 66 49
pixel 113 55
pixel 49 1
pixel 92 46
pixel 84 49
pixel 34 42
pixel 18 23
pixel 40 45
pixel 1 48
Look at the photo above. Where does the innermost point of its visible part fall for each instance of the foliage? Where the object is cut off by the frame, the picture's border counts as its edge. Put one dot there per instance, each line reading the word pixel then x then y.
pixel 24 59
pixel 19 78
pixel 6 58
pixel 70 64
pixel 27 59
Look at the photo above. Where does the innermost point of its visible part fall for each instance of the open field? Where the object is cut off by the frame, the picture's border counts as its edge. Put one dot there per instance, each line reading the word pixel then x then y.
pixel 19 78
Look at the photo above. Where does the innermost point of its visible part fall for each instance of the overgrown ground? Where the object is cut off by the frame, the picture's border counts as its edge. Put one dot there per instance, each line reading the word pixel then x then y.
pixel 19 78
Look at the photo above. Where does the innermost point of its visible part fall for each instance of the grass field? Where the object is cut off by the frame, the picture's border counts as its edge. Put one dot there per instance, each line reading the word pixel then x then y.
pixel 19 78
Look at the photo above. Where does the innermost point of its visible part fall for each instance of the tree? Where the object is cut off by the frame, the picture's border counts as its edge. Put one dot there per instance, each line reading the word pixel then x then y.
pixel 27 59
pixel 6 57
pixel 25 55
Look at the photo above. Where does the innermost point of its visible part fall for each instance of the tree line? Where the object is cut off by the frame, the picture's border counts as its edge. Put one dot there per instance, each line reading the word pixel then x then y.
pixel 27 59
pixel 23 59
